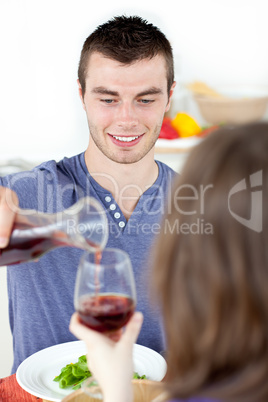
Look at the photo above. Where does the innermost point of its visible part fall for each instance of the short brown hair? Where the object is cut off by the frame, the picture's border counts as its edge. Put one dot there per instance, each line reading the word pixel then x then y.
pixel 126 40
pixel 213 287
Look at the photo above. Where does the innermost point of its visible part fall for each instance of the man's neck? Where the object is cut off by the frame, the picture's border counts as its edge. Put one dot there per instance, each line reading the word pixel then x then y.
pixel 126 182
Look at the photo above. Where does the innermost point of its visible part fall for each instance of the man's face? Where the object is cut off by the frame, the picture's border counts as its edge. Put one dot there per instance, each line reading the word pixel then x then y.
pixel 125 105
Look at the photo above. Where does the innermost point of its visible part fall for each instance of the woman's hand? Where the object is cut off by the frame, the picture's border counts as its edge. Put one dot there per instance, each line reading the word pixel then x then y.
pixel 110 361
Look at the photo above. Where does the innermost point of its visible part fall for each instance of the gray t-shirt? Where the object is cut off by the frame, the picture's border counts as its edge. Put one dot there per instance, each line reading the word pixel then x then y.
pixel 41 293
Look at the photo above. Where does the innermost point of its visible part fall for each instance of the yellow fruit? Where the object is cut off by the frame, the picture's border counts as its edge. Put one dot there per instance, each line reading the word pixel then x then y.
pixel 185 125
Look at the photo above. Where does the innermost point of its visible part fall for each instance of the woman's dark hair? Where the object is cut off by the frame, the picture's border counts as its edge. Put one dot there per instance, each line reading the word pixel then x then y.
pixel 211 269
pixel 126 40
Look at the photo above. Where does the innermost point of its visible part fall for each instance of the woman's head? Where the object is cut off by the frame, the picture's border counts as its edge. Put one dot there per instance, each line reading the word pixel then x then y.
pixel 211 270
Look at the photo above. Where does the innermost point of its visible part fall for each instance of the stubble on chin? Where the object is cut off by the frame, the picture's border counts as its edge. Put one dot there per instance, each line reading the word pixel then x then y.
pixel 124 156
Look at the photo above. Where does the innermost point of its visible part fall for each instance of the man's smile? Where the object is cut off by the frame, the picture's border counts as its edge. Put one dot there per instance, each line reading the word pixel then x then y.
pixel 125 140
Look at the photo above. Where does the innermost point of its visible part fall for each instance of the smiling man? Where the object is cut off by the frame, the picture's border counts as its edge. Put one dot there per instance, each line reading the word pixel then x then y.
pixel 125 106
pixel 125 82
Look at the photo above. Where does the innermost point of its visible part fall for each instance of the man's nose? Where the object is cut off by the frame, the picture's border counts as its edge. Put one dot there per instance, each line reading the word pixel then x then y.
pixel 126 115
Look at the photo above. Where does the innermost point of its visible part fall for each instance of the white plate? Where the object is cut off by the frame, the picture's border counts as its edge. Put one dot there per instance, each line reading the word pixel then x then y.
pixel 180 143
pixel 36 373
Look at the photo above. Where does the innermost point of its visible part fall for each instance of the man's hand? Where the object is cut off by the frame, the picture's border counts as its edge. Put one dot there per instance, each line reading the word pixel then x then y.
pixel 8 208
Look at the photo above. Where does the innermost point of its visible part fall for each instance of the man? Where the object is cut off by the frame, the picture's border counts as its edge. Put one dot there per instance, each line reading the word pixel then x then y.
pixel 125 81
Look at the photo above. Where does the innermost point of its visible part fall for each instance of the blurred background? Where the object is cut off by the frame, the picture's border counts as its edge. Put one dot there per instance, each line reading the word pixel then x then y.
pixel 221 43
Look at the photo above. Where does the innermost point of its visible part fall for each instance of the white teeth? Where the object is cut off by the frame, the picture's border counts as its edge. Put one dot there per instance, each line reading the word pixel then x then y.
pixel 125 139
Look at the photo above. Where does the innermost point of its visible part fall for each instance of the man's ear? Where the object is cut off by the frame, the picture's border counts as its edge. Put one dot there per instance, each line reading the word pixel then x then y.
pixel 81 94
pixel 170 96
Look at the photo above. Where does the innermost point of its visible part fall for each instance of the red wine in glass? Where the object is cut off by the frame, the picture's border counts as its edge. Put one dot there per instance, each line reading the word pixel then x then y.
pixel 105 291
pixel 107 312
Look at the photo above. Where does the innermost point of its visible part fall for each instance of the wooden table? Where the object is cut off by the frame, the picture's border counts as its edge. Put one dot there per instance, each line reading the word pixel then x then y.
pixel 10 391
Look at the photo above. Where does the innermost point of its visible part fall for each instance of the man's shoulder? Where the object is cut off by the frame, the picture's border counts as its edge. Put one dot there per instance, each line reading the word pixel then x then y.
pixel 166 173
pixel 165 167
pixel 45 181
pixel 65 164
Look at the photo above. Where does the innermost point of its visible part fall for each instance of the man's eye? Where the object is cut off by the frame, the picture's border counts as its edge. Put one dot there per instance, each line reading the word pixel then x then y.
pixel 146 101
pixel 108 101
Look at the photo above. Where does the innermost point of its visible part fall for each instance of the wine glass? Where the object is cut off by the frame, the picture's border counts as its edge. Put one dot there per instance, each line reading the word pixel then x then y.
pixel 105 293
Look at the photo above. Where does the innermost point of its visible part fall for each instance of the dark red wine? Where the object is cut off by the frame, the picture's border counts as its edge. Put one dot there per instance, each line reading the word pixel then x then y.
pixel 105 312
pixel 32 242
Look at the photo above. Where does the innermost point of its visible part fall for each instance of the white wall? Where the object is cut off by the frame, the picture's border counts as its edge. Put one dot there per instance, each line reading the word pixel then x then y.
pixel 222 41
